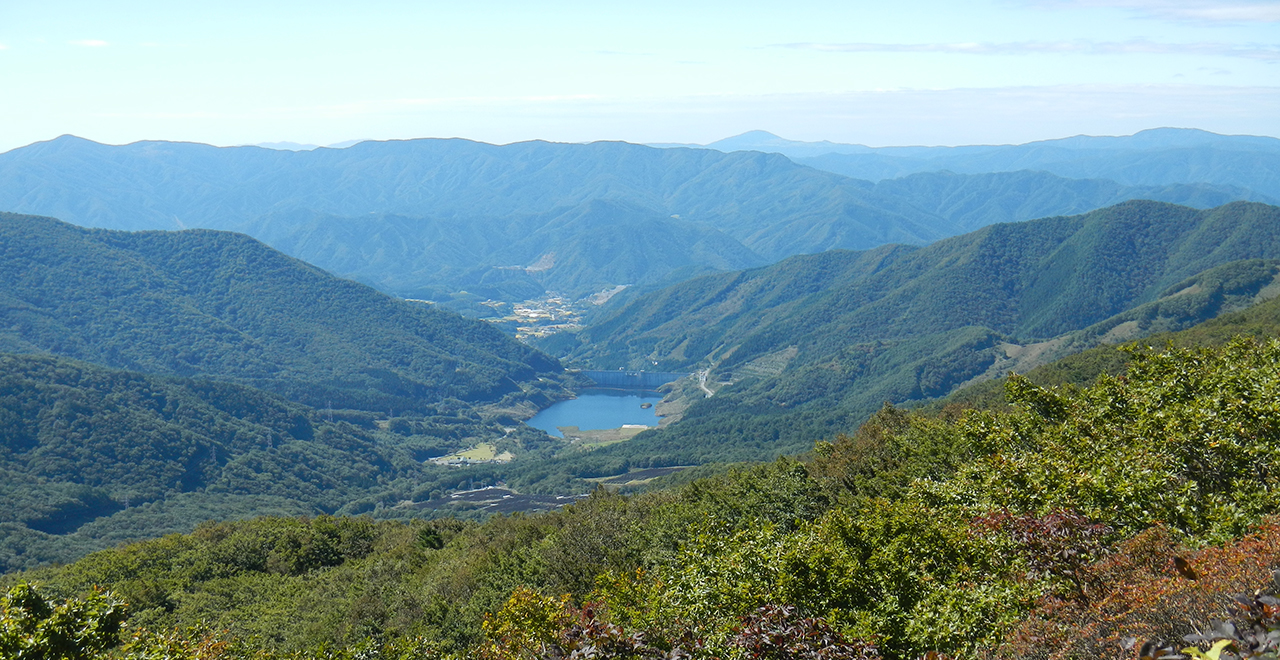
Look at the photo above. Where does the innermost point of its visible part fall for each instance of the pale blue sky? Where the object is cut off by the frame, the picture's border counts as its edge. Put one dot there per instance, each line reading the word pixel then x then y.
pixel 879 73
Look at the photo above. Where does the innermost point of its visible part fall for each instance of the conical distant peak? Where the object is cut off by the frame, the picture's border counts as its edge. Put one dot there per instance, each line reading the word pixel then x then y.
pixel 62 142
pixel 752 137
pixel 69 140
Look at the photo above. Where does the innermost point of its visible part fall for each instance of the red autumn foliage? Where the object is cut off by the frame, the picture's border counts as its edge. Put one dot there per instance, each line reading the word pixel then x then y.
pixel 1141 594
pixel 777 632
pixel 1061 543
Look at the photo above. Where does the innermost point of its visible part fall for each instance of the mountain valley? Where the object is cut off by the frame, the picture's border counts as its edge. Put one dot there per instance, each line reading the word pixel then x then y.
pixel 817 343
pixel 236 391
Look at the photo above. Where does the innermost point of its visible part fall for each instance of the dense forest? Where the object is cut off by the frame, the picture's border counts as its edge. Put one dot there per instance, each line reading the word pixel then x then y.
pixel 220 305
pixel 1030 280
pixel 96 456
pixel 153 380
pixel 1075 521
pixel 93 456
pixel 812 345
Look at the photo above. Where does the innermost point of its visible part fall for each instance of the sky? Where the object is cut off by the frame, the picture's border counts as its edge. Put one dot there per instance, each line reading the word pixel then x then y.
pixel 876 73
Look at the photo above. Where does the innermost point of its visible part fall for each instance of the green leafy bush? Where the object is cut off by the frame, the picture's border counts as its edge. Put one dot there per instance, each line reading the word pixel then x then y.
pixel 33 627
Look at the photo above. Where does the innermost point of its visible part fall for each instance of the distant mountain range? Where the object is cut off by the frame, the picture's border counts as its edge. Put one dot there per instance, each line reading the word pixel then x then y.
pixel 577 251
pixel 1153 157
pixel 422 218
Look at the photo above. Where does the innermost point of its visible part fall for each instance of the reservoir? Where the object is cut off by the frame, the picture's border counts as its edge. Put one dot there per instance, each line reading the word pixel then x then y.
pixel 599 409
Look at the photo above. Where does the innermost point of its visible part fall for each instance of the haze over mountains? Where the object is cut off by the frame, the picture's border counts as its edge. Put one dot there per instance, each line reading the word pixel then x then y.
pixel 424 218
pixel 1151 157
pixel 795 350
pixel 428 218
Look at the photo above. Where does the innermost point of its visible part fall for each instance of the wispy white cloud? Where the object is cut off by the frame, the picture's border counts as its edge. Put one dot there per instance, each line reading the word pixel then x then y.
pixel 623 53
pixel 1266 53
pixel 3 47
pixel 1214 11
pixel 90 43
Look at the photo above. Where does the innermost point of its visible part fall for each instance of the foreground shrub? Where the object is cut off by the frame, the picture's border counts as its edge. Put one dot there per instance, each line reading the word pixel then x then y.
pixel 33 627
pixel 777 632
pixel 1146 593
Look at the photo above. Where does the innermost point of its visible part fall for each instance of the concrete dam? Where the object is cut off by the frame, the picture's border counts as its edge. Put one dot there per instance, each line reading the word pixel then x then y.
pixel 632 380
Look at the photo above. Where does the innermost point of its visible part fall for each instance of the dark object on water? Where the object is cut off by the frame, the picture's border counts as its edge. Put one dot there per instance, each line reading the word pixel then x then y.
pixel 646 405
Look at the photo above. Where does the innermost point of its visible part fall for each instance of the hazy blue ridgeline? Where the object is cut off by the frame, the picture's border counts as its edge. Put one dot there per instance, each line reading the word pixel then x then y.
pixel 449 215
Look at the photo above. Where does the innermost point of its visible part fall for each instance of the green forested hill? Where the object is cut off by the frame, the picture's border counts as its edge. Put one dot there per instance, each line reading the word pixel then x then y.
pixel 82 442
pixel 91 456
pixel 1032 280
pixel 221 305
pixel 1260 321
pixel 804 347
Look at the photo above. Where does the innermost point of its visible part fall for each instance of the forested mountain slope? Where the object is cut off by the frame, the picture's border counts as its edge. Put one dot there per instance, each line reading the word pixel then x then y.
pixel 91 456
pixel 1031 280
pixel 82 442
pixel 1260 321
pixel 203 303
pixel 815 342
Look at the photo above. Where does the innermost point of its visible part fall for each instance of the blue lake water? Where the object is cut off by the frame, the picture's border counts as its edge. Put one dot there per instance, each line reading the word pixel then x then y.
pixel 599 409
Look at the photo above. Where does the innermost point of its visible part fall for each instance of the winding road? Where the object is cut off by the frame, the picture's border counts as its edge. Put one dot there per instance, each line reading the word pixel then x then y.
pixel 702 382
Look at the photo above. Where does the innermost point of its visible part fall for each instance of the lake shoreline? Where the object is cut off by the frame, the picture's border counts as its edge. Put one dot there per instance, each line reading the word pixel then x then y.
pixel 600 409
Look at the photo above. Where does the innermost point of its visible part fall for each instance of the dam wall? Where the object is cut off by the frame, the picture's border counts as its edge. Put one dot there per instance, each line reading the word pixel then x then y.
pixel 632 380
